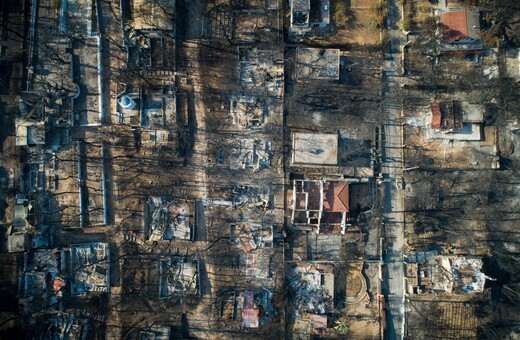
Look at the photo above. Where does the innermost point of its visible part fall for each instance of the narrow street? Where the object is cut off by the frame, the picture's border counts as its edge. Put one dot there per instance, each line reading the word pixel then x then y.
pixel 393 279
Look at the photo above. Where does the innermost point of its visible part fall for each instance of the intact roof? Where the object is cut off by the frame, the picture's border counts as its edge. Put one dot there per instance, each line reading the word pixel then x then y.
pixel 447 116
pixel 436 116
pixel 336 197
pixel 317 63
pixel 315 148
pixel 460 29
pixel 455 25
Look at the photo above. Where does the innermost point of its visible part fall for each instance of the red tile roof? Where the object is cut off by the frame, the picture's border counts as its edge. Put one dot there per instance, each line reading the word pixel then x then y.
pixel 455 25
pixel 436 116
pixel 250 318
pixel 336 197
pixel 57 284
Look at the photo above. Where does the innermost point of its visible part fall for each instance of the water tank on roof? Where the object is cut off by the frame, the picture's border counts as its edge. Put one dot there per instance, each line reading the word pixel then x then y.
pixel 127 103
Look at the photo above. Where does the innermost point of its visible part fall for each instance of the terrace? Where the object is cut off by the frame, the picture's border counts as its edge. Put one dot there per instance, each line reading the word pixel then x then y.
pixel 320 204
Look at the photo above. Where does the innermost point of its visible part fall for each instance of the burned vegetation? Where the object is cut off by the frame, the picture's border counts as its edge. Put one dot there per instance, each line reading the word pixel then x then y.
pixel 230 169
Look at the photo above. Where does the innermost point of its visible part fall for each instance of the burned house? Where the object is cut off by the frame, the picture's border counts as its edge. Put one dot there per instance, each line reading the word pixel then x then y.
pixel 157 105
pixel 313 287
pixel 29 133
pixel 300 11
pixel 150 106
pixel 178 277
pixel 257 263
pixel 459 30
pixel 250 315
pixel 90 268
pixel 63 325
pixel 27 231
pixel 322 205
pixel 148 30
pixel 261 71
pixel 20 233
pixel 248 112
pixel 251 308
pixel 151 50
pixel 320 13
pixel 445 274
pixel 250 154
pixel 257 308
pixel 169 219
pixel 250 236
pixel 156 332
pixel 42 280
pixel 154 15
pixel 70 75
pixel 251 198
pixel 92 171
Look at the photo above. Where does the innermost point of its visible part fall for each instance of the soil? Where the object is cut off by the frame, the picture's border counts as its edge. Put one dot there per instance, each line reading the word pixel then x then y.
pixel 353 285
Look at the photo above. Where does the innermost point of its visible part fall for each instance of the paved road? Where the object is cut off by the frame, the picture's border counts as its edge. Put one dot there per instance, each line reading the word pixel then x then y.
pixel 393 284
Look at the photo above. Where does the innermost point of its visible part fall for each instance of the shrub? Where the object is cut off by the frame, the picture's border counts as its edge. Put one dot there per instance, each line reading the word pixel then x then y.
pixel 380 12
pixel 373 25
pixel 341 327
pixel 340 15
pixel 406 25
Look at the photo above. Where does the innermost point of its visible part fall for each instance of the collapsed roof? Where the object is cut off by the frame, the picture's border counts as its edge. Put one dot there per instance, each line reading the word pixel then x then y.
pixel 90 267
pixel 251 236
pixel 19 234
pixel 41 280
pixel 456 275
pixel 169 219
pixel 312 286
pixel 178 277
